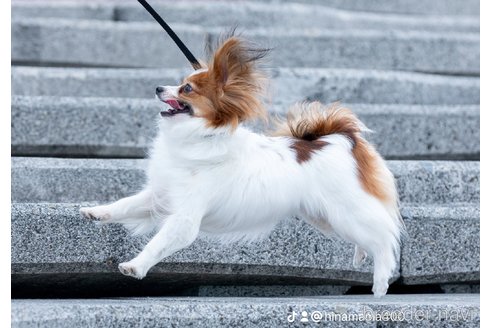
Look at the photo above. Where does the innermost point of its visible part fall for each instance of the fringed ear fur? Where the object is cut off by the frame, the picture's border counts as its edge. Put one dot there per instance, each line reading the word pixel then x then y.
pixel 238 82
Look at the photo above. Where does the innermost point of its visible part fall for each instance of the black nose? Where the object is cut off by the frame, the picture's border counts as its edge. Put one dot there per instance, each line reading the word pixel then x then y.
pixel 159 89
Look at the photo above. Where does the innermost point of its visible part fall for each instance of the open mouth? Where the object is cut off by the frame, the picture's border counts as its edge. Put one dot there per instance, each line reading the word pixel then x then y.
pixel 177 107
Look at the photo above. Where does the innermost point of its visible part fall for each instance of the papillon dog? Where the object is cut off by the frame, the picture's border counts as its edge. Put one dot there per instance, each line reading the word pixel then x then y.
pixel 208 173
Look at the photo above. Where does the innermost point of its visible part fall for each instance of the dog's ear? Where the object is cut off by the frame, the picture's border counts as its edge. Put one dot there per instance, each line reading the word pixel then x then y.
pixel 235 59
pixel 227 59
pixel 239 84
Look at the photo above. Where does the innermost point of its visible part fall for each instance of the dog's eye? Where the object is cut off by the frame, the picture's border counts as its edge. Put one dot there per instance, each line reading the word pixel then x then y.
pixel 187 88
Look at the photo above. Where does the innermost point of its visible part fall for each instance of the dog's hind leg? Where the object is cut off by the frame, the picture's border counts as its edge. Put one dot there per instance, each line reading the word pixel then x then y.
pixel 326 229
pixel 384 264
pixel 322 225
pixel 359 256
pixel 367 224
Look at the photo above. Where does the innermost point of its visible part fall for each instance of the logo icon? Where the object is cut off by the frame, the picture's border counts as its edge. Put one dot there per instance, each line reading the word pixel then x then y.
pixel 292 317
pixel 304 315
pixel 316 316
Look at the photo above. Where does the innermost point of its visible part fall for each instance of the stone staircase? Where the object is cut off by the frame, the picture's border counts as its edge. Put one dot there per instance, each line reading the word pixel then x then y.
pixel 83 115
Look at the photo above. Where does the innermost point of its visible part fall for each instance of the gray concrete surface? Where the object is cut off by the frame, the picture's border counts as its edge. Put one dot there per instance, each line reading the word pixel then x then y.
pixel 443 245
pixel 287 85
pixel 49 238
pixel 63 9
pixel 250 14
pixel 91 42
pixel 47 179
pixel 54 239
pixel 461 288
pixel 439 7
pixel 271 290
pixel 72 127
pixel 297 14
pixel 428 310
pixel 436 7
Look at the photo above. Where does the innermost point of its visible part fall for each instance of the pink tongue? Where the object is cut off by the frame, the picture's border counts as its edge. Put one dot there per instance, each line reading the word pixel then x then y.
pixel 174 104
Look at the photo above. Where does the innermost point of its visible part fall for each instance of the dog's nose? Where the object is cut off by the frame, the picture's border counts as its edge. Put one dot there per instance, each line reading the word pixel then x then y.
pixel 159 89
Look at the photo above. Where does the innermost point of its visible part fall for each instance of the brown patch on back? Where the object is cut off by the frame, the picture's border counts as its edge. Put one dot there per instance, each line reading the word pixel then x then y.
pixel 305 148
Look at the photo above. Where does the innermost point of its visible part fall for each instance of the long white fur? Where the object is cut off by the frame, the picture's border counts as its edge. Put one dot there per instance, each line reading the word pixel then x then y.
pixel 239 185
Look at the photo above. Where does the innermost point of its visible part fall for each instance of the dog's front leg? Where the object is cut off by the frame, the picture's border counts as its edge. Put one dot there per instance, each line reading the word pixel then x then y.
pixel 136 206
pixel 177 232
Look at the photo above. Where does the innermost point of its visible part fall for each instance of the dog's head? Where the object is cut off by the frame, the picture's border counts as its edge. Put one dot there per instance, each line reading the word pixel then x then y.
pixel 225 93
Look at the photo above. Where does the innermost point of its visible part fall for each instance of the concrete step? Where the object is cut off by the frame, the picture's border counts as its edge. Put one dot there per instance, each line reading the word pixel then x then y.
pixel 50 126
pixel 436 7
pixel 66 10
pixel 427 8
pixel 53 245
pixel 76 180
pixel 428 256
pixel 90 42
pixel 428 310
pixel 288 85
pixel 247 14
pixel 300 15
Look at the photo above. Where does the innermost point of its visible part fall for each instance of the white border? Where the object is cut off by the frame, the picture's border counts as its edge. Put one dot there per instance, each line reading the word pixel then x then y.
pixel 485 135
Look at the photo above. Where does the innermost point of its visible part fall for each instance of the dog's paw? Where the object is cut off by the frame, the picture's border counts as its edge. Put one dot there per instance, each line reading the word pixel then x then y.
pixel 96 213
pixel 359 257
pixel 132 270
pixel 380 289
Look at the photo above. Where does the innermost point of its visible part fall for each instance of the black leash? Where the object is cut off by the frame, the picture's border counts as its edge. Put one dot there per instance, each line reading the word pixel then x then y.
pixel 194 62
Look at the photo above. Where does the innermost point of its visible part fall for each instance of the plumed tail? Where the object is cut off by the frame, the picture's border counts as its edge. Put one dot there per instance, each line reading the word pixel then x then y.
pixel 310 121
